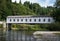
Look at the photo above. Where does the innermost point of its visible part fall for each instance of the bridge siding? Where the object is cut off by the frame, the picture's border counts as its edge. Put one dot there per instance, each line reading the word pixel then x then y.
pixel 15 18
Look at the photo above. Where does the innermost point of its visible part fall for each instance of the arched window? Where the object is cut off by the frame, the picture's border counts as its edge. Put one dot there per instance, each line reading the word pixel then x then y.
pixel 13 19
pixel 10 20
pixel 48 20
pixel 39 20
pixel 17 20
pixel 26 20
pixel 30 20
pixel 21 19
pixel 43 20
pixel 34 20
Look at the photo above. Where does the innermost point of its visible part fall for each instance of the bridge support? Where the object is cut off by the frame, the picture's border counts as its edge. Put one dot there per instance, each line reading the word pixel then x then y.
pixel 8 26
pixel 4 26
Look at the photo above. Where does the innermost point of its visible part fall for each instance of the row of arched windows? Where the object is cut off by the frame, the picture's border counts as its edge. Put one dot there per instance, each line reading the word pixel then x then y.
pixel 39 20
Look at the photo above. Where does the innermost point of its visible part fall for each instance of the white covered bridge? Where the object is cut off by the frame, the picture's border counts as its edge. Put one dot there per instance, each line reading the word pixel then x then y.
pixel 27 19
pixel 30 19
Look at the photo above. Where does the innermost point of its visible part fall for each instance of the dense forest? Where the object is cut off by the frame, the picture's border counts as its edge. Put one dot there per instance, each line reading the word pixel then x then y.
pixel 8 8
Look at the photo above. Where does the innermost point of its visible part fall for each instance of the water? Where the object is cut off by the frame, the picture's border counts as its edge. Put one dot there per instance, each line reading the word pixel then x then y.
pixel 19 36
pixel 2 35
pixel 26 36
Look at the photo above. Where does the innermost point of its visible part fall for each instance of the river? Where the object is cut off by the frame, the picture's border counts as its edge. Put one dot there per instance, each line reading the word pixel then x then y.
pixel 25 36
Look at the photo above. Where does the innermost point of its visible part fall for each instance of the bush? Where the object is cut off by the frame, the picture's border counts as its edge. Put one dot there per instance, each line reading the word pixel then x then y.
pixel 54 27
pixel 1 26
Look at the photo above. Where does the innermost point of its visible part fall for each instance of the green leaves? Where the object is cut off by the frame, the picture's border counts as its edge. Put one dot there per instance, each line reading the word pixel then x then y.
pixel 27 8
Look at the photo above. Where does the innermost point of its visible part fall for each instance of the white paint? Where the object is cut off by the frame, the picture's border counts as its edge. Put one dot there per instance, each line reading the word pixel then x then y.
pixel 28 19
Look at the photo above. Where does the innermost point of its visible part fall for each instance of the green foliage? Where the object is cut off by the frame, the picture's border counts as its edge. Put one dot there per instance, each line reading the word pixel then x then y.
pixel 27 27
pixel 35 7
pixel 19 9
pixel 57 3
pixel 27 4
pixel 8 8
pixel 56 14
pixel 1 25
pixel 54 27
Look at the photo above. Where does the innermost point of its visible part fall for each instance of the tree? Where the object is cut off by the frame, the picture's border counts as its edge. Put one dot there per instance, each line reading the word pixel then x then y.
pixel 57 3
pixel 27 4
pixel 56 15
pixel 2 9
pixel 20 2
pixel 54 27
pixel 36 8
pixel 56 12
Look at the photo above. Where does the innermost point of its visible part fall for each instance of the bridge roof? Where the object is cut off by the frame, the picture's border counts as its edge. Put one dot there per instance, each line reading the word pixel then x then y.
pixel 29 16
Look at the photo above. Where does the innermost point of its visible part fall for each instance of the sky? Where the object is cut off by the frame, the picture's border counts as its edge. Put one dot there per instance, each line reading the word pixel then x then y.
pixel 43 3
